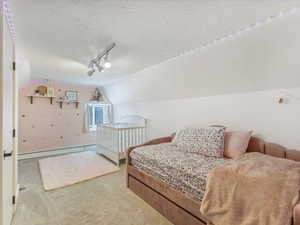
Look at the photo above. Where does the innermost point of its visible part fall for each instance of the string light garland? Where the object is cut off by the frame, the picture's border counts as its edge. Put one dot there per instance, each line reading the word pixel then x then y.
pixel 232 35
pixel 246 29
pixel 9 18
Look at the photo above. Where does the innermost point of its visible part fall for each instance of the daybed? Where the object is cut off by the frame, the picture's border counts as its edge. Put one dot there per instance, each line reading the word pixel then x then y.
pixel 181 206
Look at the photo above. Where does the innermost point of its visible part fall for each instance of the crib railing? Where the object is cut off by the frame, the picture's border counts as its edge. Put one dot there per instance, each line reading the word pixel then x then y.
pixel 114 139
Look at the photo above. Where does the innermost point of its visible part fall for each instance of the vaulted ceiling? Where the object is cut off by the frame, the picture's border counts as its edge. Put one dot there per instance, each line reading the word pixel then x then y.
pixel 59 37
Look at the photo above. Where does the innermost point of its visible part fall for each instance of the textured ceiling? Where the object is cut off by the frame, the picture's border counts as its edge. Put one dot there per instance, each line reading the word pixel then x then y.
pixel 59 37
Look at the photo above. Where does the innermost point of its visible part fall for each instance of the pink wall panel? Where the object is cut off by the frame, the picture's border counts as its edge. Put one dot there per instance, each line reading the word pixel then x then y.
pixel 44 126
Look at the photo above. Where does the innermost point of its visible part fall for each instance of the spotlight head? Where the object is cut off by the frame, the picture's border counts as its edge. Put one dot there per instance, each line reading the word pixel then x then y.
pixel 107 65
pixel 91 72
pixel 100 62
pixel 99 67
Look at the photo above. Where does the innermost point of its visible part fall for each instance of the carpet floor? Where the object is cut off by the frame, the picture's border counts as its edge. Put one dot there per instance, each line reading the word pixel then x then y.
pixel 65 170
pixel 101 201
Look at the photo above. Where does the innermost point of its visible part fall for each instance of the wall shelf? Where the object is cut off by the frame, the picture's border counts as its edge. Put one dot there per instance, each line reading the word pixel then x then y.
pixel 31 97
pixel 61 102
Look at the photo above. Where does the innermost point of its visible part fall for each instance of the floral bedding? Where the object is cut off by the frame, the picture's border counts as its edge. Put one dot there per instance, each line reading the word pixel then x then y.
pixel 185 172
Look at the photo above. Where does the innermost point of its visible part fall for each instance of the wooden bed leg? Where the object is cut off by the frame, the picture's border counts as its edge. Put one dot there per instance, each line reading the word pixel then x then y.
pixel 296 214
pixel 127 177
pixel 127 164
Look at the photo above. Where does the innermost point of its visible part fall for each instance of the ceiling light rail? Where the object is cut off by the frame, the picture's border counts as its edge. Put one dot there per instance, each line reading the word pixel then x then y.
pixel 101 61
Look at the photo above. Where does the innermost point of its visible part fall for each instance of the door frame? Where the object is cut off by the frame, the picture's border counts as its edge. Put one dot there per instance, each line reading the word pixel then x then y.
pixel 15 123
pixel 1 125
pixel 16 186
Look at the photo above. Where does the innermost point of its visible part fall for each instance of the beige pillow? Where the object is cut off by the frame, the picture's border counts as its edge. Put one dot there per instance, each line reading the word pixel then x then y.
pixel 236 143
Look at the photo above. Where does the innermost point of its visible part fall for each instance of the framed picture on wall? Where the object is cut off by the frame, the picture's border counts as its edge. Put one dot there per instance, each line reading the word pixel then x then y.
pixel 72 96
pixel 50 91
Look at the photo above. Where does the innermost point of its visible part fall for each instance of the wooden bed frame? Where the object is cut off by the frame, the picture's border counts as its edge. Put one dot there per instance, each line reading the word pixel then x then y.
pixel 177 207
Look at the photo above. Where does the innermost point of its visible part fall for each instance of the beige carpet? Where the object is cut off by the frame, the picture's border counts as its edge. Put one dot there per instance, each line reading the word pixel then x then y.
pixel 104 200
pixel 61 171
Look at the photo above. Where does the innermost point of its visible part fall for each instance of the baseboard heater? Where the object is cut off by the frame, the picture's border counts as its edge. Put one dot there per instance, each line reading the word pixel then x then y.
pixel 57 151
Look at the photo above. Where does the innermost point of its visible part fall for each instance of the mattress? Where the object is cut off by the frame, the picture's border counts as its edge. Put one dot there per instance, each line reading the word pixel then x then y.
pixel 185 172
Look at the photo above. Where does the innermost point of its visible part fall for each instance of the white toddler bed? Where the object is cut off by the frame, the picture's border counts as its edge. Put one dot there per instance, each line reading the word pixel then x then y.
pixel 113 139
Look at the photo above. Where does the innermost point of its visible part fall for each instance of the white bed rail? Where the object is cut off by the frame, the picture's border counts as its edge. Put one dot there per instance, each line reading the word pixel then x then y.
pixel 113 139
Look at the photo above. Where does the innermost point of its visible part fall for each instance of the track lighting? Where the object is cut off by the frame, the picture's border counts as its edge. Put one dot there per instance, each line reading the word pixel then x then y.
pixel 101 61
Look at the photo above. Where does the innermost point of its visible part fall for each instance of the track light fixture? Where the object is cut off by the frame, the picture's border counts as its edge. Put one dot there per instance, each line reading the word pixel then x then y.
pixel 101 61
pixel 107 64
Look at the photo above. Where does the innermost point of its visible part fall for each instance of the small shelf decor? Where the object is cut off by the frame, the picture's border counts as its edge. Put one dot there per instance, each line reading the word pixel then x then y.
pixel 61 102
pixel 97 96
pixel 72 96
pixel 43 92
pixel 50 91
pixel 31 97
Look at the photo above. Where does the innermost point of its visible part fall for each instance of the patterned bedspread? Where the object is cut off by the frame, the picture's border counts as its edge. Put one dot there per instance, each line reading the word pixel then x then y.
pixel 185 172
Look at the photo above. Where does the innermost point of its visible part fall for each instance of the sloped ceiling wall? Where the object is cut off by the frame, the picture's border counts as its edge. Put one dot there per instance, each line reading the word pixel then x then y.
pixel 242 79
pixel 262 59
pixel 23 72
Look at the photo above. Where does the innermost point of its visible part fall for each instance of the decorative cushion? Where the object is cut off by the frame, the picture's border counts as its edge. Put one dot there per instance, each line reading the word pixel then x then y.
pixel 236 143
pixel 206 141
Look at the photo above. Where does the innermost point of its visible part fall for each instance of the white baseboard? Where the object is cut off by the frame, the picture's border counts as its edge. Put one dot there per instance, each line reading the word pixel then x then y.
pixel 57 152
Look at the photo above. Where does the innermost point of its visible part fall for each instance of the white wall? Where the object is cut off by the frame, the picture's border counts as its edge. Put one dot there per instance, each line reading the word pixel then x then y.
pixel 258 111
pixel 242 76
pixel 23 71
